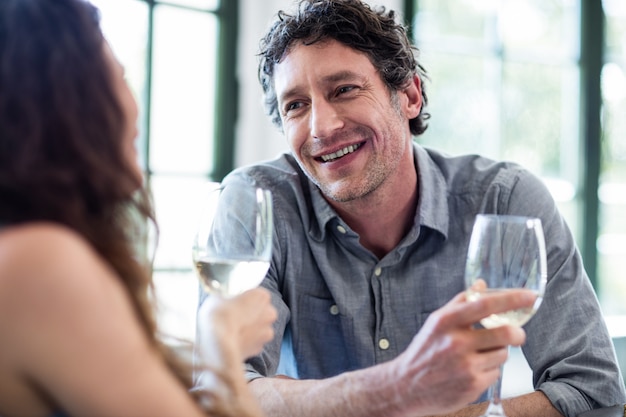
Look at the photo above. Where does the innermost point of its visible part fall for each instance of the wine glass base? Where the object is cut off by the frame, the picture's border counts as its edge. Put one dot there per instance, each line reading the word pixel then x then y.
pixel 494 410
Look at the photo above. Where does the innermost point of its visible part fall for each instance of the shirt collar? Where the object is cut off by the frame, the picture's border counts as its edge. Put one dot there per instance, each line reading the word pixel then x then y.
pixel 432 208
pixel 324 213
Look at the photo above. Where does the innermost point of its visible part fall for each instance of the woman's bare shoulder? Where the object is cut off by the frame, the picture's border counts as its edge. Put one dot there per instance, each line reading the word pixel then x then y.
pixel 38 247
pixel 45 265
pixel 69 328
pixel 29 239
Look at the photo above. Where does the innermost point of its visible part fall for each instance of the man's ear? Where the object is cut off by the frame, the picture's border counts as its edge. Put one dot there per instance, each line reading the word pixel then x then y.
pixel 414 102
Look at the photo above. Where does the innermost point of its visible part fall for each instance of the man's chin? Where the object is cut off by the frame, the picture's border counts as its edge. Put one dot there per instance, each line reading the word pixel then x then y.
pixel 341 193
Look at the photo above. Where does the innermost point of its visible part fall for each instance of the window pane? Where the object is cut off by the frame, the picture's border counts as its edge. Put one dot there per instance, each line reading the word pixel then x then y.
pixel 540 28
pixel 183 91
pixel 532 108
pixel 612 193
pixel 201 4
pixel 615 11
pixel 125 25
pixel 176 204
pixel 463 104
pixel 176 294
pixel 463 23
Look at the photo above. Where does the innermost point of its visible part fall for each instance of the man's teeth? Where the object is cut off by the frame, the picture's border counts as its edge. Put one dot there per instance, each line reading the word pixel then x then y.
pixel 340 153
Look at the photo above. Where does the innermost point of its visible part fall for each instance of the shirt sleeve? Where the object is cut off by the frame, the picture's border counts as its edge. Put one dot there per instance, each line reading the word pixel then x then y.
pixel 568 345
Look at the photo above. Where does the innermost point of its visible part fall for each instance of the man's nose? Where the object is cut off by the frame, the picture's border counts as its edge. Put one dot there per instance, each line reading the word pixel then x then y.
pixel 324 119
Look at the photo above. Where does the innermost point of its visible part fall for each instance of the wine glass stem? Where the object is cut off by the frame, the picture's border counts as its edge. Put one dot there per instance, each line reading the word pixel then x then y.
pixel 495 408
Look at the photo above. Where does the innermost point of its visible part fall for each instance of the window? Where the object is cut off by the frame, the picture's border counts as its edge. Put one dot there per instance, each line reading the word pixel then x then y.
pixel 508 81
pixel 611 242
pixel 504 84
pixel 171 53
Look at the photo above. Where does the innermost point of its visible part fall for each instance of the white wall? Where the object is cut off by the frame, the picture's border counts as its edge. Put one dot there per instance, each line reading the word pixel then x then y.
pixel 257 138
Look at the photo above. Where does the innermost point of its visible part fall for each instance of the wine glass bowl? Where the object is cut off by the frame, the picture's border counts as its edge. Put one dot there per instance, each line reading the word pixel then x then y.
pixel 505 253
pixel 232 247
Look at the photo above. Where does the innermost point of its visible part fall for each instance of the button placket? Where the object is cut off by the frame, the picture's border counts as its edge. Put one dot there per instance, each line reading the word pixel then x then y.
pixel 383 342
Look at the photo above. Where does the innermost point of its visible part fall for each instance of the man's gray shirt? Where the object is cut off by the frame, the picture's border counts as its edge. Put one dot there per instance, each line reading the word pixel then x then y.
pixel 341 308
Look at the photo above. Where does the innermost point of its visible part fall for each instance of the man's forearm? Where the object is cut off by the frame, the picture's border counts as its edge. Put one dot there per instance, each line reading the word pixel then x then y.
pixel 359 394
pixel 365 395
pixel 534 404
pixel 530 405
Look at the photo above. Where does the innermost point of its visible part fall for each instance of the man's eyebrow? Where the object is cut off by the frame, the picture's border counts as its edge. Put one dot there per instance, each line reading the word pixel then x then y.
pixel 335 77
pixel 341 76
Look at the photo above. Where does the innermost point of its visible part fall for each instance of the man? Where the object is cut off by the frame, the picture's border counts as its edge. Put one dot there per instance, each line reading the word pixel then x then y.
pixel 371 237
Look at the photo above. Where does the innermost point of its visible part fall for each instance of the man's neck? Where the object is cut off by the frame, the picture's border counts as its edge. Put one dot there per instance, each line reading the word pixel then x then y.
pixel 385 216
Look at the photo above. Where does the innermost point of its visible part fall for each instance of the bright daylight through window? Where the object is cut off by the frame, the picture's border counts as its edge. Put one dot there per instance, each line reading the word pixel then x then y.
pixel 506 83
pixel 169 52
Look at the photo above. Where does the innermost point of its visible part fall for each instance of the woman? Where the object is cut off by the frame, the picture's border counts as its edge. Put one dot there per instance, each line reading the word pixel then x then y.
pixel 77 331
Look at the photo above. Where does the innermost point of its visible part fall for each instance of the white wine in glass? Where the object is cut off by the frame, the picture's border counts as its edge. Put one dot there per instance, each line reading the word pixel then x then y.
pixel 233 244
pixel 505 253
pixel 512 317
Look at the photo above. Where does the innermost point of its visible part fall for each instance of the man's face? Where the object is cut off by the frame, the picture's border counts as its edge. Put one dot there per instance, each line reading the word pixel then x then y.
pixel 347 131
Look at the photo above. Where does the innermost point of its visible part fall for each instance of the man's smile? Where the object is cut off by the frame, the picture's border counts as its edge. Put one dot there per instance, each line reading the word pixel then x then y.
pixel 340 153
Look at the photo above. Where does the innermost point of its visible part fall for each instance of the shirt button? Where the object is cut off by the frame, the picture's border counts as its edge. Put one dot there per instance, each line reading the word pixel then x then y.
pixel 334 310
pixel 383 344
pixel 378 271
pixel 341 229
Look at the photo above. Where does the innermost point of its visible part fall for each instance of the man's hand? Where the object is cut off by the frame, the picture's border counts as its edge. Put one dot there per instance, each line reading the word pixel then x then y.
pixel 449 363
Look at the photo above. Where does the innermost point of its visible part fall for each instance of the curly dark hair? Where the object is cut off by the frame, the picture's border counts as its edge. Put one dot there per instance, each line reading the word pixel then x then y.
pixel 61 150
pixel 373 31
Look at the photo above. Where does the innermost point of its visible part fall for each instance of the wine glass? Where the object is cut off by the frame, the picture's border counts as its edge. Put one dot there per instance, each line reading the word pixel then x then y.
pixel 505 253
pixel 233 245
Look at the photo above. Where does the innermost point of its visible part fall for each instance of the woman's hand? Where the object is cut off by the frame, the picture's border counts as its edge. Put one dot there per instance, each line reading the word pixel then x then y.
pixel 240 325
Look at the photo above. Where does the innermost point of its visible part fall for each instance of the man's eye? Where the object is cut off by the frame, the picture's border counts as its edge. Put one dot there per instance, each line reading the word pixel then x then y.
pixel 345 89
pixel 293 106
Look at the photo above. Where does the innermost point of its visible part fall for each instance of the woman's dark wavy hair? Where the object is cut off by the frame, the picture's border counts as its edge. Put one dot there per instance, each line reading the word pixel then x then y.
pixel 61 151
pixel 354 24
